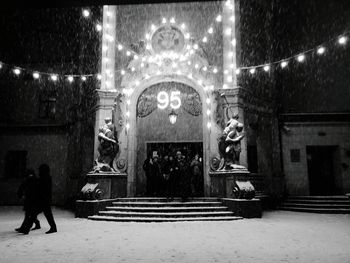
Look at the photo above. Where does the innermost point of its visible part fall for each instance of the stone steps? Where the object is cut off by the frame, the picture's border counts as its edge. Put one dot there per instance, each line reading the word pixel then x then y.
pixel 162 219
pixel 168 208
pixel 317 204
pixel 160 210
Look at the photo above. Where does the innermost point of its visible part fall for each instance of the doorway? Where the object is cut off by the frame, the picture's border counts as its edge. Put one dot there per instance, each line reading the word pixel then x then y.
pixel 189 150
pixel 321 162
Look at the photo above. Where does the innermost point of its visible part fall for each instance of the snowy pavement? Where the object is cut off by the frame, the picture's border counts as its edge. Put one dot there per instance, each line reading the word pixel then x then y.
pixel 277 237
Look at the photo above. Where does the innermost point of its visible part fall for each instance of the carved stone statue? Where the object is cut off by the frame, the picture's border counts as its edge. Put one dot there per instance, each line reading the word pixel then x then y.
pixel 107 149
pixel 230 145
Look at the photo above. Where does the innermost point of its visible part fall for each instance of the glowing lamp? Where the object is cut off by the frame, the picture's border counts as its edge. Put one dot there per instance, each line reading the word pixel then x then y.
pixel 173 117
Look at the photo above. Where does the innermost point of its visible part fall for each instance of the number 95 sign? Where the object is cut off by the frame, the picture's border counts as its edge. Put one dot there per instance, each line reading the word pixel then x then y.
pixel 164 100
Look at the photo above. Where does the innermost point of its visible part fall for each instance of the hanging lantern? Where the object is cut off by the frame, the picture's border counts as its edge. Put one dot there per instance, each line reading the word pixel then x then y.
pixel 172 117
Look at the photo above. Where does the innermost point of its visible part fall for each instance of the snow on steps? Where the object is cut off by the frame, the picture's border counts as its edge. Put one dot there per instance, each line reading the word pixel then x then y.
pixel 317 204
pixel 161 210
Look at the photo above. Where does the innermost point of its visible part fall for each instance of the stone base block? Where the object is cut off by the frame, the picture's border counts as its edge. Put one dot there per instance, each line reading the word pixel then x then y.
pixel 222 182
pixel 113 185
pixel 243 207
pixel 85 208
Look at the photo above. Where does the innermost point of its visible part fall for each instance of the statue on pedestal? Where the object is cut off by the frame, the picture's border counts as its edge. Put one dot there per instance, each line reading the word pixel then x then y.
pixel 107 149
pixel 230 145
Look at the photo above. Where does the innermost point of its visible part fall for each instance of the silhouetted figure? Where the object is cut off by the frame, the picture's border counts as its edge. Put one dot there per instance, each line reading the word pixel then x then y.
pixel 43 201
pixel 147 168
pixel 196 175
pixel 28 191
pixel 184 178
pixel 45 184
pixel 166 176
pixel 155 174
pixel 172 179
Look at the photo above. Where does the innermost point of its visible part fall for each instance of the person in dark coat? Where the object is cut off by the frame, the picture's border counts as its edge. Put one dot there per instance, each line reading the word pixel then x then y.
pixel 43 203
pixel 155 173
pixel 184 178
pixel 45 184
pixel 166 176
pixel 149 183
pixel 173 177
pixel 196 175
pixel 28 191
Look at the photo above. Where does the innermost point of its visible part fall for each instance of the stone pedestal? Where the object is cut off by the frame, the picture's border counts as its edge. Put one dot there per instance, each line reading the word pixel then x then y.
pixel 243 207
pixel 112 184
pixel 222 182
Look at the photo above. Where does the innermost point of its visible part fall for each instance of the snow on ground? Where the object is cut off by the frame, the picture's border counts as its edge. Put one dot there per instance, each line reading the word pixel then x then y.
pixel 277 237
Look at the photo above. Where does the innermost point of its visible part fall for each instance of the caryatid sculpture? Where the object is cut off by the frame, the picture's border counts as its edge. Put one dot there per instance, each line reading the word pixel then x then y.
pixel 230 144
pixel 108 147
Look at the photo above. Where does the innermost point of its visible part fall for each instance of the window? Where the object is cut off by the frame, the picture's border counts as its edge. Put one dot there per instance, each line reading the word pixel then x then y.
pixel 47 107
pixel 295 155
pixel 15 164
pixel 252 158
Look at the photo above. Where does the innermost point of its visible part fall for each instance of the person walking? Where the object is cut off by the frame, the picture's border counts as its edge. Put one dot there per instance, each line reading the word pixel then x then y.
pixel 45 184
pixel 28 191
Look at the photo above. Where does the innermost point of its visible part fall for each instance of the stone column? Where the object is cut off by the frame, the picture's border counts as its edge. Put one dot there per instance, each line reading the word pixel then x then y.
pixel 229 44
pixel 107 92
pixel 233 93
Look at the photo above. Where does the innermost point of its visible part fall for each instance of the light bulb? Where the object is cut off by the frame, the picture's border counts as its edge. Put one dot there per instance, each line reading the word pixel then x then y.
pixel 228 31
pixel 215 70
pixel 195 46
pixel 234 42
pixel 128 53
pixel 229 79
pixel 208 125
pixel 205 68
pixel 86 13
pixel 127 126
pixel 70 79
pixel 219 18
pixel 266 68
pixel 252 70
pixel 83 78
pixel 104 47
pixel 342 40
pixel 132 69
pixel 128 102
pixel 321 50
pixel 98 27
pixel 122 72
pixel 147 76
pixel 99 76
pixel 54 77
pixel 230 54
pixel 208 100
pixel 301 58
pixel 153 27
pixel 284 64
pixel 142 65
pixel 196 66
pixel 136 57
pixel 238 71
pixel 224 86
pixel 208 112
pixel 183 26
pixel 17 71
pixel 164 20
pixel 137 82
pixel 210 30
pixel 127 113
pixel 225 71
pixel 36 75
pixel 205 39
pixel 232 18
pixel 187 35
pixel 147 36
pixel 172 20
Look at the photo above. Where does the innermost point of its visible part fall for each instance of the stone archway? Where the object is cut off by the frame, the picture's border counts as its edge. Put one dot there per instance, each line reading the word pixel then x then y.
pixel 130 136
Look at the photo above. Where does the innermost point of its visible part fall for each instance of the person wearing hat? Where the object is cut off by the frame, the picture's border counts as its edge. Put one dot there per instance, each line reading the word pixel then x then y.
pixel 155 174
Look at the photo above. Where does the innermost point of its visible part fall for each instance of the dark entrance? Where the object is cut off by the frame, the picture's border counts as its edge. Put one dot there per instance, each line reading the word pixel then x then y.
pixel 321 169
pixel 189 150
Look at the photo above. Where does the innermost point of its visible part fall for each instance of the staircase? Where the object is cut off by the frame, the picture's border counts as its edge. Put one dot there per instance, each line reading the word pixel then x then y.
pixel 317 204
pixel 159 210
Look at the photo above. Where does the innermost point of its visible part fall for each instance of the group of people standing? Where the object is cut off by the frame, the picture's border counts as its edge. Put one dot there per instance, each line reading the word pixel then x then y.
pixel 174 176
pixel 36 193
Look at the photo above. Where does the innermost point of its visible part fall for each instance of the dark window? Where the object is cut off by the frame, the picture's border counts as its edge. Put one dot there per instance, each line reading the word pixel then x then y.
pixel 15 164
pixel 252 158
pixel 47 107
pixel 295 155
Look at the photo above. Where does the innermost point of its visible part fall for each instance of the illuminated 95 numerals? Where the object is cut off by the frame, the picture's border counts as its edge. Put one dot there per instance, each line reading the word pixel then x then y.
pixel 163 100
